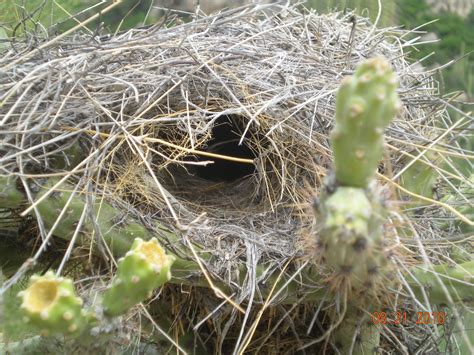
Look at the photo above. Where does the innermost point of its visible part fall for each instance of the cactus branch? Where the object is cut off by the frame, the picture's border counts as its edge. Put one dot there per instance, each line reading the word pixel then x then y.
pixel 144 268
pixel 444 284
pixel 351 244
pixel 10 196
pixel 365 105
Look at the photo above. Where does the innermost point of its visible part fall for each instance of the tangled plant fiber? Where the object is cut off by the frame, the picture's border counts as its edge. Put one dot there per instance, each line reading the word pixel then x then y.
pixel 217 130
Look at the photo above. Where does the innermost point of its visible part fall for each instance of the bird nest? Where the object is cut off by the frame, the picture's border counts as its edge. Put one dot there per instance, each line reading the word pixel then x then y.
pixel 217 128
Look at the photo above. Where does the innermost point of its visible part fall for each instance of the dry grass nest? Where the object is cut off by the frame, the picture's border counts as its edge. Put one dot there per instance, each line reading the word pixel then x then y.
pixel 216 127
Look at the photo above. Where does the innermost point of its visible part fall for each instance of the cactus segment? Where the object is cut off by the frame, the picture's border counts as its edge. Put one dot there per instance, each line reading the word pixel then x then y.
pixel 143 269
pixel 444 283
pixel 365 105
pixel 357 332
pixel 118 236
pixel 351 237
pixel 466 189
pixel 10 196
pixel 51 304
pixel 348 209
pixel 421 178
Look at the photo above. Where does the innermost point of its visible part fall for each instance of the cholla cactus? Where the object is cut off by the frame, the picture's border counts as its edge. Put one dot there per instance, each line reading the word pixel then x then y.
pixel 351 238
pixel 51 303
pixel 144 268
pixel 365 105
pixel 351 244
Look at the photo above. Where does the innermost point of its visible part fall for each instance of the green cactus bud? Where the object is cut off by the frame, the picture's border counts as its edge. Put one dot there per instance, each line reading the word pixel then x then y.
pixel 51 304
pixel 143 269
pixel 365 105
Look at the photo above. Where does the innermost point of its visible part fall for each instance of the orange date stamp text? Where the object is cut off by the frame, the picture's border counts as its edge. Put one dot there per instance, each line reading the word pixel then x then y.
pixel 406 318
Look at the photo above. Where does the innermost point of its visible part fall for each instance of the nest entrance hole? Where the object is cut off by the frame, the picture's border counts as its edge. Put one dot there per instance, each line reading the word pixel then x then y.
pixel 223 183
pixel 226 134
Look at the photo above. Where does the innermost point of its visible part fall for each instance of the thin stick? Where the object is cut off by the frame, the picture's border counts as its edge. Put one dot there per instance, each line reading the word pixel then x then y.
pixel 168 144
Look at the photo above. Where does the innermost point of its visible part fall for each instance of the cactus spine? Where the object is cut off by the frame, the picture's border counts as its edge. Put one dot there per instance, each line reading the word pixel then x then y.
pixel 51 303
pixel 365 105
pixel 144 268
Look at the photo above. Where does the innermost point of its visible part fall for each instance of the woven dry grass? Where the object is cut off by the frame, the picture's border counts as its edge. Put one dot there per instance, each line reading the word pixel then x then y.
pixel 138 118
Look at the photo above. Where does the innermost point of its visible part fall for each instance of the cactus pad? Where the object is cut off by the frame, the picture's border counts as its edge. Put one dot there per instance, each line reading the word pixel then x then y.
pixel 51 303
pixel 365 105
pixel 144 268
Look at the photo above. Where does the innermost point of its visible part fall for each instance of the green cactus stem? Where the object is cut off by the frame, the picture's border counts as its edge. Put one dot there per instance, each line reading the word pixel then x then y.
pixel 443 283
pixel 420 178
pixel 464 205
pixel 32 346
pixel 352 253
pixel 143 269
pixel 357 334
pixel 118 236
pixel 365 105
pixel 51 304
pixel 350 241
pixel 351 246
pixel 116 229
pixel 10 196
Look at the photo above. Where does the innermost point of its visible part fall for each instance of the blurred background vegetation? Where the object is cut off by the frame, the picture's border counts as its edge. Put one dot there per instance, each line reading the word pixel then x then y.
pixel 449 23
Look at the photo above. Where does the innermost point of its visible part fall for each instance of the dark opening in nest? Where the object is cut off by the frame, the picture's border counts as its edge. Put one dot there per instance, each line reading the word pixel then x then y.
pixel 223 183
pixel 226 135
